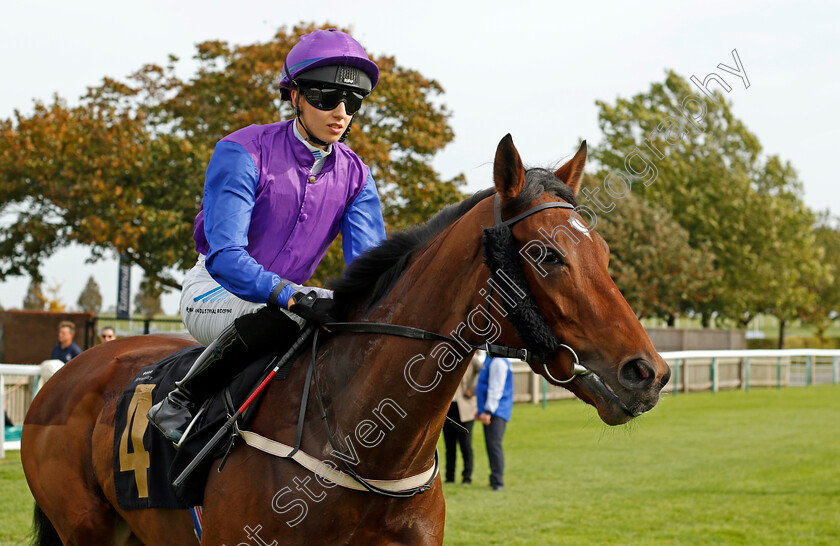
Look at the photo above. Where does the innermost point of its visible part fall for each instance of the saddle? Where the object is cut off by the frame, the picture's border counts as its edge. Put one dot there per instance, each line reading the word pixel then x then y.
pixel 146 463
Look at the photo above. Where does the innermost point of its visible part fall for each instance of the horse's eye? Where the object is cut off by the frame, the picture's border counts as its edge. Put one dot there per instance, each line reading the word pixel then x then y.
pixel 550 257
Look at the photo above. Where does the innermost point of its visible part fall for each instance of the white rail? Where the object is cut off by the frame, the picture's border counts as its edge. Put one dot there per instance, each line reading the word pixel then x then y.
pixel 714 370
pixel 690 371
pixel 704 370
pixel 12 369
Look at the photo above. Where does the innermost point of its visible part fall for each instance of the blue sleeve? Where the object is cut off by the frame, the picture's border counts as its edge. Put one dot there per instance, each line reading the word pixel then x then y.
pixel 362 226
pixel 229 194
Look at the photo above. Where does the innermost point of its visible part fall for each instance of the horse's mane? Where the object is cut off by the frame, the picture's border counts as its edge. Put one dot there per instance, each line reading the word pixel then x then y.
pixel 372 275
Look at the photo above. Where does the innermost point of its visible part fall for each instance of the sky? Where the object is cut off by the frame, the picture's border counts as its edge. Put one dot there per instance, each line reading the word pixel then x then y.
pixel 531 69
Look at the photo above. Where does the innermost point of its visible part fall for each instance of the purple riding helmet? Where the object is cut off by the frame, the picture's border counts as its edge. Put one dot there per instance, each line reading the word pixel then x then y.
pixel 332 58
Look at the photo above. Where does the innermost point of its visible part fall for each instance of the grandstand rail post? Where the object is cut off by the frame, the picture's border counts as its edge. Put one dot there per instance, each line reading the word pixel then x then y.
pixel 834 368
pixel 714 375
pixel 778 373
pixel 535 388
pixel 809 371
pixel 747 374
pixel 544 389
pixel 676 376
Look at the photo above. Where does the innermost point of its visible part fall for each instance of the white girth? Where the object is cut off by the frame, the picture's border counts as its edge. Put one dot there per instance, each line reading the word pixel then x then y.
pixel 326 472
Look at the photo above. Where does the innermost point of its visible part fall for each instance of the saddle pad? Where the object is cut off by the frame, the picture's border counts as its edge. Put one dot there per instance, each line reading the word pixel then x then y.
pixel 146 463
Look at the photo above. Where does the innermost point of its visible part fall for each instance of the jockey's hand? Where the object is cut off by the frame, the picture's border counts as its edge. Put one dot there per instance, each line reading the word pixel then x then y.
pixel 316 310
pixel 319 293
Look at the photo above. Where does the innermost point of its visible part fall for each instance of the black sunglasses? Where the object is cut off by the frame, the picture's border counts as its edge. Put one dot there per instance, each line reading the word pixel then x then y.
pixel 328 98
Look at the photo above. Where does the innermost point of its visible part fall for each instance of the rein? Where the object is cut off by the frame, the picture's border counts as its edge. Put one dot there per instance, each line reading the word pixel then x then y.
pixel 410 492
pixel 403 488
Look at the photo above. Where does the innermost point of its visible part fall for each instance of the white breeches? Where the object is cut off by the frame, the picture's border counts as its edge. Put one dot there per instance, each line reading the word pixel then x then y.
pixel 207 308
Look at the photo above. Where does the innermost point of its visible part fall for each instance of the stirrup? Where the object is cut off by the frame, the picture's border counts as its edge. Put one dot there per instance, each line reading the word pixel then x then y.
pixel 192 423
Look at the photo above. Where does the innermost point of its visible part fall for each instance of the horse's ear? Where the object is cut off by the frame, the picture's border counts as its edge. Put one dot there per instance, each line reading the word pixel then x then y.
pixel 508 172
pixel 572 172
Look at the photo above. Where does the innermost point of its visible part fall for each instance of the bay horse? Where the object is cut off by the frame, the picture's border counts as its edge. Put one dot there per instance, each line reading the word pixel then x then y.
pixel 384 397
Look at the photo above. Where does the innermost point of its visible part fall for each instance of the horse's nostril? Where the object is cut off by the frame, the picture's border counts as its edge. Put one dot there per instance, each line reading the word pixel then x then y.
pixel 637 374
pixel 665 378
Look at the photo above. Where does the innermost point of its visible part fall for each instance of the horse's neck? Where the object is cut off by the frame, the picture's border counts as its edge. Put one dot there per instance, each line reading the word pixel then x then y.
pixel 395 392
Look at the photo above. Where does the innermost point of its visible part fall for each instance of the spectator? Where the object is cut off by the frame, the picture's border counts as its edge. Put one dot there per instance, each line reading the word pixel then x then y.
pixel 65 349
pixel 495 402
pixel 107 334
pixel 462 411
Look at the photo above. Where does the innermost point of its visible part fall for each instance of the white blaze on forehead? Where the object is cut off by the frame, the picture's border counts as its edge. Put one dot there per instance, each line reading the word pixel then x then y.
pixel 578 225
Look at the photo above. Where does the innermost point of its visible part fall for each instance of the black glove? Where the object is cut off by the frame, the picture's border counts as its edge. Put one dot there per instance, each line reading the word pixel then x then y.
pixel 312 308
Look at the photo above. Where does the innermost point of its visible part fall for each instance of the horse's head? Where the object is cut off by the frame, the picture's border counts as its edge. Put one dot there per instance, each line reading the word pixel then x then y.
pixel 571 307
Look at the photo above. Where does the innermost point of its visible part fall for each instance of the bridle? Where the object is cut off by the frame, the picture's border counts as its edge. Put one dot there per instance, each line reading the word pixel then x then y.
pixel 502 259
pixel 525 317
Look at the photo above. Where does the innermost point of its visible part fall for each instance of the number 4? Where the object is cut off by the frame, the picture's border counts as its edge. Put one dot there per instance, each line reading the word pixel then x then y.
pixel 136 425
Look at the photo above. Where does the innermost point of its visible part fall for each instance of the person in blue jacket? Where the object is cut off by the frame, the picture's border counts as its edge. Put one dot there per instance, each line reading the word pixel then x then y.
pixel 275 197
pixel 65 350
pixel 494 395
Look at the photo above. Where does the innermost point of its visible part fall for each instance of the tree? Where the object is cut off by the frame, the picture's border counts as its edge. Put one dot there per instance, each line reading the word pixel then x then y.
pixel 792 261
pixel 90 299
pixel 34 299
pixel 147 300
pixel 657 271
pixel 123 171
pixel 53 298
pixel 97 177
pixel 826 307
pixel 707 171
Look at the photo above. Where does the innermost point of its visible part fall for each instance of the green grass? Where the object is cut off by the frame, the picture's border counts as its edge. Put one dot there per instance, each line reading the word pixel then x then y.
pixel 728 468
pixel 15 501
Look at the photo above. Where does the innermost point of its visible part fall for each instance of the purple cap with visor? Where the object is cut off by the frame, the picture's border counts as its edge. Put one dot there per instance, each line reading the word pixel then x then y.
pixel 325 48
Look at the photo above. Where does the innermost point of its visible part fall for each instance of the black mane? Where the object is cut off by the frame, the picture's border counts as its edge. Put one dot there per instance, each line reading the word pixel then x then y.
pixel 372 275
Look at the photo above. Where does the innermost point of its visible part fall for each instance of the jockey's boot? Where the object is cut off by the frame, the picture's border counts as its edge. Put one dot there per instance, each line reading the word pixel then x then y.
pixel 223 359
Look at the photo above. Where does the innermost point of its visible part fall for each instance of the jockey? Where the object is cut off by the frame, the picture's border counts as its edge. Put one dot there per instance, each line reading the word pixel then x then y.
pixel 275 197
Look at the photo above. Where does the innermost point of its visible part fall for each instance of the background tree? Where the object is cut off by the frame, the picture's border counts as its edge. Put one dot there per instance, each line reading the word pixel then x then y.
pixel 716 185
pixel 826 306
pixel 123 171
pixel 53 298
pixel 147 300
pixel 91 298
pixel 791 260
pixel 34 299
pixel 657 271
